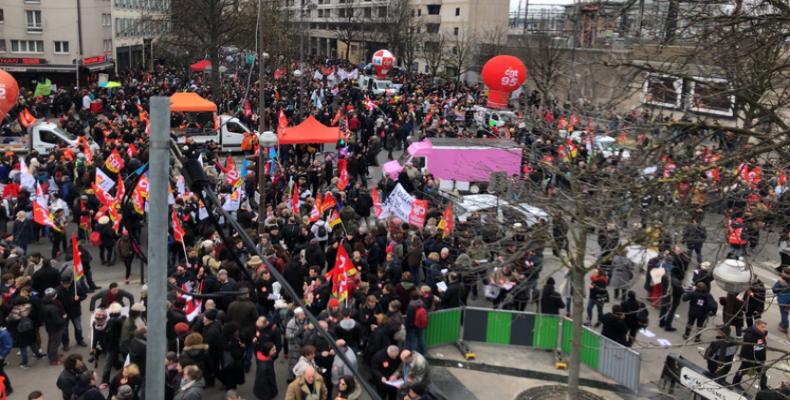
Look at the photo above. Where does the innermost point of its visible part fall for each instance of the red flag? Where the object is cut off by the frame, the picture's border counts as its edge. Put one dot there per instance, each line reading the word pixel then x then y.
pixel 86 149
pixel 229 164
pixel 79 272
pixel 419 210
pixel 178 230
pixel 42 216
pixel 342 166
pixel 103 197
pixel 295 199
pixel 278 73
pixel 336 119
pixel 247 109
pixel 376 202
pixel 328 202
pixel 340 273
pixel 114 162
pixel 131 151
pixel 447 224
pixel 282 123
pixel 428 117
pixel 120 190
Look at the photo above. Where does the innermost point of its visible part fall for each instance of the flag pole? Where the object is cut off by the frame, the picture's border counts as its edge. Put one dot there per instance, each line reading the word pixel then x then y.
pixel 186 256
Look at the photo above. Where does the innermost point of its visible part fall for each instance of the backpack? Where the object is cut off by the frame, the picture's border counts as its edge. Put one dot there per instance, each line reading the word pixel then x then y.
pixel 95 238
pixel 321 231
pixel 25 325
pixel 421 318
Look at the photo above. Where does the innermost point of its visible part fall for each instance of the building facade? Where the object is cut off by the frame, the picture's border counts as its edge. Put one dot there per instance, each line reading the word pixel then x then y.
pixel 135 26
pixel 355 29
pixel 60 40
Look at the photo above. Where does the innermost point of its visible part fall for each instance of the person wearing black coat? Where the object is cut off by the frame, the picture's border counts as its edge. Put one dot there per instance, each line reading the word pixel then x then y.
pixel 197 353
pixel 46 277
pixel 212 336
pixel 73 367
pixel 383 365
pixel 71 299
pixel 86 388
pixel 753 351
pixel 55 321
pixel 720 353
pixel 755 302
pixel 701 305
pixel 349 330
pixel 550 301
pixel 453 296
pixel 173 316
pixel 22 230
pixel 231 373
pixel 614 326
pixel 636 315
pixel 265 387
pixel 380 338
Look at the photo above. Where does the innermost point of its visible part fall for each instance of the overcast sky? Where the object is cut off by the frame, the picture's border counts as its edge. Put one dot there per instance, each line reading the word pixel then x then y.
pixel 514 3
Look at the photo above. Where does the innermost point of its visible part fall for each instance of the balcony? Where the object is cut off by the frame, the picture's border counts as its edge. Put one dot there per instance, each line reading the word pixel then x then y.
pixel 431 19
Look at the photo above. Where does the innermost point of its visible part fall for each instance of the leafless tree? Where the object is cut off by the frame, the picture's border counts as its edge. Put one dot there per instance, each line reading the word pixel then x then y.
pixel 432 52
pixel 544 55
pixel 352 25
pixel 460 51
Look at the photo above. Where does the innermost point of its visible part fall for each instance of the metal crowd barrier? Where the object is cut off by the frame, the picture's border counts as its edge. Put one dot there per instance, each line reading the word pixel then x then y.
pixel 539 331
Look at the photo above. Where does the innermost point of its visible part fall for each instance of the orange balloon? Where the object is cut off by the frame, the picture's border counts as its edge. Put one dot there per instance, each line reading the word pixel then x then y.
pixel 9 93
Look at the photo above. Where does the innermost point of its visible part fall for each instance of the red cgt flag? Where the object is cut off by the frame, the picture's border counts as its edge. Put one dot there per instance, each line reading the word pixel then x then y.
pixel 328 202
pixel 114 162
pixel 340 273
pixel 42 216
pixel 376 202
pixel 178 230
pixel 79 271
pixel 342 166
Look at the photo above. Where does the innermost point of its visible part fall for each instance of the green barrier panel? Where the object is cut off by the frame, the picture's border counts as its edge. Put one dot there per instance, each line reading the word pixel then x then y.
pixel 444 327
pixel 498 329
pixel 547 327
pixel 591 345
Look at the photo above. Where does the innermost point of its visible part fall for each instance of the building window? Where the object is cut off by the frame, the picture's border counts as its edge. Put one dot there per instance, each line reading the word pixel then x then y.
pixel 434 9
pixel 368 12
pixel 419 12
pixel 432 28
pixel 32 1
pixel 107 45
pixel 382 12
pixel 33 21
pixel 61 47
pixel 106 20
pixel 2 45
pixel 27 46
pixel 2 16
pixel 457 11
pixel 455 31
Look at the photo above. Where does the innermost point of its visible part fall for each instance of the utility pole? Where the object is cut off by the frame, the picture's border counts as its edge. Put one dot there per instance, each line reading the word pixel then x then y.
pixel 261 124
pixel 157 248
pixel 79 42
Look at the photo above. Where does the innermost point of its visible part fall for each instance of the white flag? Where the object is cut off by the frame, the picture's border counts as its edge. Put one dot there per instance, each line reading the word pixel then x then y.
pixel 342 74
pixel 103 180
pixel 354 75
pixel 317 76
pixel 26 179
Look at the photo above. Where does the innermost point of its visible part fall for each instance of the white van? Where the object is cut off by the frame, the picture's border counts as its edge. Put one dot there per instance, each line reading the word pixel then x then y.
pixel 377 86
pixel 42 137
pixel 229 135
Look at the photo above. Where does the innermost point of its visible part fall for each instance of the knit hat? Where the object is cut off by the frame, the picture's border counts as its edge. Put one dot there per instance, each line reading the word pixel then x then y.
pixel 181 328
pixel 50 293
pixel 125 392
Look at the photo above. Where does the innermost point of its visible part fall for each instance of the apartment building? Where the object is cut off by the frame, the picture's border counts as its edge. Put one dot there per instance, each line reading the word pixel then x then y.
pixel 330 26
pixel 135 25
pixel 59 40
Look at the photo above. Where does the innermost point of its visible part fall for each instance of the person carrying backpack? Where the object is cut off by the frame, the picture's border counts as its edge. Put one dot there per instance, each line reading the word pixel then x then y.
pixel 416 322
pixel 701 305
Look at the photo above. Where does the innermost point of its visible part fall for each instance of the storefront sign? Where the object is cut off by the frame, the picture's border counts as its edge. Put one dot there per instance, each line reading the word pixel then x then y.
pixel 94 60
pixel 22 61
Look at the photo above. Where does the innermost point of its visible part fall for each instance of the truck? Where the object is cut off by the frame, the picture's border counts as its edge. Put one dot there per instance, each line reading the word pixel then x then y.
pixel 466 164
pixel 377 86
pixel 195 117
pixel 42 136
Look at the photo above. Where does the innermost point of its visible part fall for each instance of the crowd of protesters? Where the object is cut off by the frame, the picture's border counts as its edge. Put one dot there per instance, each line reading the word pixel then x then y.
pixel 227 315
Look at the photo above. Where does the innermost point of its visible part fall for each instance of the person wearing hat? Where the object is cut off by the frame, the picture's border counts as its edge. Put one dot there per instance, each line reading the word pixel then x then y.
pixel 244 312
pixel 108 237
pixel 254 262
pixel 54 316
pixel 22 230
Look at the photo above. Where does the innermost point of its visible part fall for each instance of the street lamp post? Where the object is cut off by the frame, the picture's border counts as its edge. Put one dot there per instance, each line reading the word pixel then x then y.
pixel 265 139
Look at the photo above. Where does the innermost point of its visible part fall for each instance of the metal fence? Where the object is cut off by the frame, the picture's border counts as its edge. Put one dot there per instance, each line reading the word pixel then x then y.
pixel 540 331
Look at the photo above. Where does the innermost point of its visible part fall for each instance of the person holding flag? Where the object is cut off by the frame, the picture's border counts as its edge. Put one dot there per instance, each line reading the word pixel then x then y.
pixel 341 274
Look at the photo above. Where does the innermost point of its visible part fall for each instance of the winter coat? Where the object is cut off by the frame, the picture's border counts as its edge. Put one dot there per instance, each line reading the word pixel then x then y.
pixel 53 313
pixel 781 290
pixel 753 347
pixel 244 312
pixel 197 355
pixel 614 328
pixel 265 387
pixel 66 297
pixel 550 301
pixel 190 391
pixel 299 390
pixel 622 272
pixel 232 374
pixel 701 304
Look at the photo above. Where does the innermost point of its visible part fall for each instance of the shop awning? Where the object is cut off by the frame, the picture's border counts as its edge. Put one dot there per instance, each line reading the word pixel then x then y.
pixel 190 102
pixel 200 66
pixel 310 131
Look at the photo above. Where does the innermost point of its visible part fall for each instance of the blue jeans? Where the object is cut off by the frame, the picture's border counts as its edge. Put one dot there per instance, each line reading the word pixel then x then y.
pixel 417 335
pixel 77 322
pixel 23 354
pixel 599 306
pixel 783 311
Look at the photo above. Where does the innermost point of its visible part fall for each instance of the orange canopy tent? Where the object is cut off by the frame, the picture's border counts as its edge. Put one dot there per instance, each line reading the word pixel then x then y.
pixel 190 102
pixel 310 131
pixel 200 66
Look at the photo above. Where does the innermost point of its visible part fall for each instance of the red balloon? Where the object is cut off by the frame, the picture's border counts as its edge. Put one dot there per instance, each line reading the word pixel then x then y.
pixel 503 75
pixel 9 93
pixel 383 60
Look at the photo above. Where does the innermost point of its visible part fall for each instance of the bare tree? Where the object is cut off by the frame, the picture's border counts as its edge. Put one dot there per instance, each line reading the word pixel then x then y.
pixel 352 25
pixel 460 51
pixel 544 55
pixel 432 52
pixel 204 27
pixel 401 34
pixel 495 38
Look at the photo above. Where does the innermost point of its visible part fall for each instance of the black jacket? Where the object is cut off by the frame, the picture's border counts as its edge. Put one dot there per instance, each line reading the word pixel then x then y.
pixel 67 382
pixel 550 301
pixel 701 304
pixel 265 387
pixel 46 277
pixel 53 312
pixel 614 328
pixel 66 297
pixel 382 366
pixel 453 296
pixel 753 347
